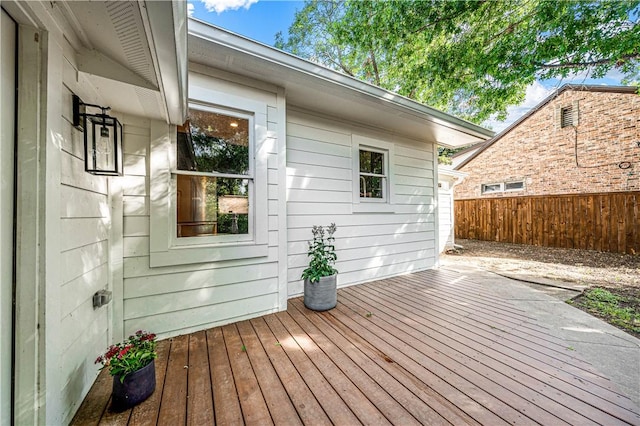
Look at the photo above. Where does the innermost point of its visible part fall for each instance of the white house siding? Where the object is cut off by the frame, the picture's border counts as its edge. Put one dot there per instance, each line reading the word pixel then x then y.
pixel 173 300
pixel 319 191
pixel 445 213
pixel 76 332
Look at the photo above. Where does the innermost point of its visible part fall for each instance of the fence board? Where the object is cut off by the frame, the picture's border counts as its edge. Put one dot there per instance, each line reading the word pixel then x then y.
pixel 600 221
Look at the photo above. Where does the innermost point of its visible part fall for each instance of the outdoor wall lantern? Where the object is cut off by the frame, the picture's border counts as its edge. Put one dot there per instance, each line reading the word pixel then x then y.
pixel 102 139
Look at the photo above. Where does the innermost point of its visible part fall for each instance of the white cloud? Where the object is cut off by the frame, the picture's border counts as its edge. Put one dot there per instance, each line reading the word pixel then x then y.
pixel 190 8
pixel 536 92
pixel 220 6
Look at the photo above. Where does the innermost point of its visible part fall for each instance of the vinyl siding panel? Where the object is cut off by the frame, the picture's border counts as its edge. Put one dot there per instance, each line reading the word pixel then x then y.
pixel 77 332
pixel 320 191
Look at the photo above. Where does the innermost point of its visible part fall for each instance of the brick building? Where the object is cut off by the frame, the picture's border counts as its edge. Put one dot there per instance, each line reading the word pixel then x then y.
pixel 581 139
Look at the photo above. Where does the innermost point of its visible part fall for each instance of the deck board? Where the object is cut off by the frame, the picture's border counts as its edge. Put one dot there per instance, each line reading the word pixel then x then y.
pixel 428 348
pixel 481 370
pixel 275 395
pixel 200 397
pixel 252 402
pixel 306 405
pixel 173 407
pixel 331 402
pixel 225 396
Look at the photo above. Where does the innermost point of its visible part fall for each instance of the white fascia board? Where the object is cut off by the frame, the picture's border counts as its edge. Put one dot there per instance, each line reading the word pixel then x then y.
pixel 315 71
pixel 166 27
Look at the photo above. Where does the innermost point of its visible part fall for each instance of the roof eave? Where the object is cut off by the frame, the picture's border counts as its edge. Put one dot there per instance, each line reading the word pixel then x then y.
pixel 318 72
pixel 169 49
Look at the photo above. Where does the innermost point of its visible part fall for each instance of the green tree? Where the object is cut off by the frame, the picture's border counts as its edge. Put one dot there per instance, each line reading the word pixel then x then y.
pixel 469 58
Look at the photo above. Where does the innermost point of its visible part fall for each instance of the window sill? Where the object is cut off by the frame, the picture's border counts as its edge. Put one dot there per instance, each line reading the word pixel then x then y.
pixel 207 254
pixel 373 208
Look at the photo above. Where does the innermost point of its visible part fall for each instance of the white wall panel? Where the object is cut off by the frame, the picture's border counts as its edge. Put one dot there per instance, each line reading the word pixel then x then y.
pixel 400 239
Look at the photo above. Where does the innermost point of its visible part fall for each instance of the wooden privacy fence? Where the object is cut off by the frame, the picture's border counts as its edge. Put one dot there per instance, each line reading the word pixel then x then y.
pixel 604 222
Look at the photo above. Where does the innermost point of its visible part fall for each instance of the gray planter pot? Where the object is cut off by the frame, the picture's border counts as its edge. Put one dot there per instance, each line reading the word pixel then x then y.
pixel 321 295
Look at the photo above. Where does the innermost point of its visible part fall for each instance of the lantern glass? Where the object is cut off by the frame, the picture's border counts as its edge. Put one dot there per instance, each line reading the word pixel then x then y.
pixel 103 145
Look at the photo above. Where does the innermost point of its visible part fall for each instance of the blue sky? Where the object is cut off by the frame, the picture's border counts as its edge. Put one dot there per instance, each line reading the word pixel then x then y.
pixel 260 20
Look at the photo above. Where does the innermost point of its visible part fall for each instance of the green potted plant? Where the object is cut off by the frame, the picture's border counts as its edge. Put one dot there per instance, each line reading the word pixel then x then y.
pixel 132 365
pixel 320 277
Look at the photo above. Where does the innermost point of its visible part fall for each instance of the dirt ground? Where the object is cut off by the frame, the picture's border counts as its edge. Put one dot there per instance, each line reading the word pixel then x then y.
pixel 572 268
pixel 588 268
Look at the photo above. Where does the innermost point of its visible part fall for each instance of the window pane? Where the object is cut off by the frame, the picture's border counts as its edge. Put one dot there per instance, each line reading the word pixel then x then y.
pixel 214 143
pixel 495 187
pixel 371 187
pixel 371 162
pixel 212 206
pixel 514 185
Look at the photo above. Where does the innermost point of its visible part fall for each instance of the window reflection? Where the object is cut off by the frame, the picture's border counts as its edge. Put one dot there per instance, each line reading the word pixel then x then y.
pixel 213 144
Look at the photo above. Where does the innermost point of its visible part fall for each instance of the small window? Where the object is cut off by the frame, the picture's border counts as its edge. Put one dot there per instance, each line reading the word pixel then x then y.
pixel 566 117
pixel 514 186
pixel 488 188
pixel 373 175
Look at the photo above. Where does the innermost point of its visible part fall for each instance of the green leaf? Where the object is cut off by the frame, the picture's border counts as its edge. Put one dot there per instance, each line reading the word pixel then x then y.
pixel 473 59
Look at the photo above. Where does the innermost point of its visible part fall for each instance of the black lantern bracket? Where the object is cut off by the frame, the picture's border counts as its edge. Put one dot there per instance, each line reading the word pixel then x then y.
pixel 102 138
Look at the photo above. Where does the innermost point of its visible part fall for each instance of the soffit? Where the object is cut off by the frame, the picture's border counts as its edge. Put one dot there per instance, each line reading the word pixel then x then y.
pixel 134 53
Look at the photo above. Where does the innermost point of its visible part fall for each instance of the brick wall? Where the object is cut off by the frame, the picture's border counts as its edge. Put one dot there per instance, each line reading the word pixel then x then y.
pixel 600 154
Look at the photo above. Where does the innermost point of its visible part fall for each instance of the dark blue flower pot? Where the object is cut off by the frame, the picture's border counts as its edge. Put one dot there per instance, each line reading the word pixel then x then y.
pixel 135 388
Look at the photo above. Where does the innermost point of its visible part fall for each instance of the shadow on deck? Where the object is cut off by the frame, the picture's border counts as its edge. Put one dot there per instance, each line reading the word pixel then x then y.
pixel 427 348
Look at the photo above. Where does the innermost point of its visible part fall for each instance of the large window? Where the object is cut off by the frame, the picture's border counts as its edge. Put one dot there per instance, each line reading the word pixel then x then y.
pixel 214 179
pixel 208 183
pixel 373 174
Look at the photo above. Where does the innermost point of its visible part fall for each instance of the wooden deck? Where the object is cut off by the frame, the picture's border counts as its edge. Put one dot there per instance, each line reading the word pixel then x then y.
pixel 428 348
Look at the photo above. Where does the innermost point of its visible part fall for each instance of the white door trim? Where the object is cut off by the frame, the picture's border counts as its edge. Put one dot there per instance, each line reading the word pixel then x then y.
pixel 7 212
pixel 30 284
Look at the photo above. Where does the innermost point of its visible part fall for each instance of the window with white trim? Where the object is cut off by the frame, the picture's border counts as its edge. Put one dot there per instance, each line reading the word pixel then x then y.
pixel 490 188
pixel 517 185
pixel 214 174
pixel 373 175
pixel 510 186
pixel 208 183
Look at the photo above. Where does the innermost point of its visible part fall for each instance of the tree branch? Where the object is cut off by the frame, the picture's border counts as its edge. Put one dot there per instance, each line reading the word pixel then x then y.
pixel 589 63
pixel 376 73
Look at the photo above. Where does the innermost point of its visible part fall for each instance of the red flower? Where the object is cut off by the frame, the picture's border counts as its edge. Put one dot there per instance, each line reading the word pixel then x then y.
pixel 131 355
pixel 124 351
pixel 111 352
